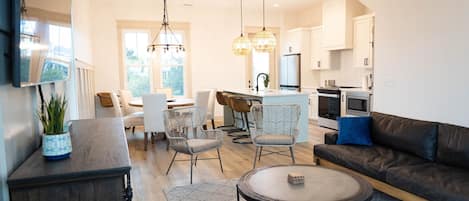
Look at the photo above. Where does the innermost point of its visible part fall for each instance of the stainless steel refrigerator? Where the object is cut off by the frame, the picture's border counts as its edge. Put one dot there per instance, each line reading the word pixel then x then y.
pixel 289 77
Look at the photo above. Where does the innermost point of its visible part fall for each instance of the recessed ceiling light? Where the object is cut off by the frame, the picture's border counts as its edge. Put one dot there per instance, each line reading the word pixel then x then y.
pixel 276 5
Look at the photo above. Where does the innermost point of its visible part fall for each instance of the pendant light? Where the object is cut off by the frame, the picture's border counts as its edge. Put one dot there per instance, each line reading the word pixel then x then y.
pixel 264 41
pixel 171 42
pixel 242 44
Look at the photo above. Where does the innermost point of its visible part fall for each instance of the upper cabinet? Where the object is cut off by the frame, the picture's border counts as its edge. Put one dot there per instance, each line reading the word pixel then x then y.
pixel 337 23
pixel 363 41
pixel 298 42
pixel 321 59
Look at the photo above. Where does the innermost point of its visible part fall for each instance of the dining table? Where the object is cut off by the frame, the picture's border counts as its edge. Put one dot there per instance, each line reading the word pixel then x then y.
pixel 171 102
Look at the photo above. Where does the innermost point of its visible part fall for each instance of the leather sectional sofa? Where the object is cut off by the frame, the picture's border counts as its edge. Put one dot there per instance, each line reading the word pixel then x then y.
pixel 409 159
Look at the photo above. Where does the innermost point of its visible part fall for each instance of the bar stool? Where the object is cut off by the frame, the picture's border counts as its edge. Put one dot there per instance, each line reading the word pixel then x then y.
pixel 243 106
pixel 232 128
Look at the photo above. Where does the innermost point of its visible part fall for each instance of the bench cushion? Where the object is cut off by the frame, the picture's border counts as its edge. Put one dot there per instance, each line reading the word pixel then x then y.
pixel 453 145
pixel 431 181
pixel 408 135
pixel 371 161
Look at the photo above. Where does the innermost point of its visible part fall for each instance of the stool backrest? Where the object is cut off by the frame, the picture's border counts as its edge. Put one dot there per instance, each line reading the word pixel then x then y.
pixel 220 98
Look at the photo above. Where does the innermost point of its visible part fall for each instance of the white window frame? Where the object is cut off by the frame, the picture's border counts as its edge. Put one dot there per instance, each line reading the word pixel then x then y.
pixel 153 28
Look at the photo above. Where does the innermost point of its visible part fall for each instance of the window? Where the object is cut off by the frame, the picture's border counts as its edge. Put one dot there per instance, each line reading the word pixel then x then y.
pixel 143 72
pixel 172 66
pixel 137 63
pixel 260 64
pixel 60 42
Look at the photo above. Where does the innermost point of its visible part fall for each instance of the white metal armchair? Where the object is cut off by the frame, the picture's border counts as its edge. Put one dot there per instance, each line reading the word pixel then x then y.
pixel 274 126
pixel 184 131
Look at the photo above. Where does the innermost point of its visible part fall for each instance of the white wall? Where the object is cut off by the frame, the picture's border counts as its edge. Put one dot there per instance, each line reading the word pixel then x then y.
pixel 81 19
pixel 421 60
pixel 212 31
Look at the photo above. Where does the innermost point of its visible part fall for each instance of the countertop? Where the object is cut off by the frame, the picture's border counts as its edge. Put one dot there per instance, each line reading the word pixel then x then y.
pixel 266 93
pixel 99 150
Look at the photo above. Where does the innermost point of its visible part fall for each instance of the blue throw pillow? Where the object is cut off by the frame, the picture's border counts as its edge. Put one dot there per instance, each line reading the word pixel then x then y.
pixel 354 130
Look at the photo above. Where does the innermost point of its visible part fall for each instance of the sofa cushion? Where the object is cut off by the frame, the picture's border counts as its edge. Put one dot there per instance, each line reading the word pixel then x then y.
pixel 354 130
pixel 372 161
pixel 408 135
pixel 432 181
pixel 453 145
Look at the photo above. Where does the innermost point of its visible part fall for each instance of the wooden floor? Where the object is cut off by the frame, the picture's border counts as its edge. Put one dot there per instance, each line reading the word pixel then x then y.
pixel 149 167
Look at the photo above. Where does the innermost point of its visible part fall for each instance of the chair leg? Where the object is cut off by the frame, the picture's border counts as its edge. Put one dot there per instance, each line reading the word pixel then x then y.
pixel 133 130
pixel 153 138
pixel 213 124
pixel 219 159
pixel 260 154
pixel 192 162
pixel 204 126
pixel 145 141
pixel 196 158
pixel 167 144
pixel 171 164
pixel 255 158
pixel 292 155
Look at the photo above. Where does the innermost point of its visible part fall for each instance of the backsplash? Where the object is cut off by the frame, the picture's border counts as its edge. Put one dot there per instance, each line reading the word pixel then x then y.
pixel 346 75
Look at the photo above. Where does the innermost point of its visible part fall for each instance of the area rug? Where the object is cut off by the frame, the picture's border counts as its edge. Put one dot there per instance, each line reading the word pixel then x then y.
pixel 225 190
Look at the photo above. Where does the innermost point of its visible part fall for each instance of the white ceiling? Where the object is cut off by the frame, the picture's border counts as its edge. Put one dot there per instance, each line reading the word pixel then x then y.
pixel 283 5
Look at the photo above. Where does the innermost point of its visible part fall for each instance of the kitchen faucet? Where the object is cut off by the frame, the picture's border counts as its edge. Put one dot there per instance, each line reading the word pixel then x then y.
pixel 266 77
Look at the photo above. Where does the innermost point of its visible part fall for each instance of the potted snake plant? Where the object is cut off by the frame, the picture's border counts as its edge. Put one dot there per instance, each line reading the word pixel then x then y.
pixel 56 142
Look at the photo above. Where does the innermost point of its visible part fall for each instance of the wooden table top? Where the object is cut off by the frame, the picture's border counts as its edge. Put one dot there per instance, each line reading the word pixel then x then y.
pixel 99 149
pixel 270 183
pixel 172 103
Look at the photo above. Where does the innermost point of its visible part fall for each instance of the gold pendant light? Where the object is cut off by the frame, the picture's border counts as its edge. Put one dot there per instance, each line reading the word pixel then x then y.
pixel 264 41
pixel 242 44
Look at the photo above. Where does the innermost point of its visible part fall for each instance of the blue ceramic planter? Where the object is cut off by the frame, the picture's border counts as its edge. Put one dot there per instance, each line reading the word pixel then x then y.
pixel 56 147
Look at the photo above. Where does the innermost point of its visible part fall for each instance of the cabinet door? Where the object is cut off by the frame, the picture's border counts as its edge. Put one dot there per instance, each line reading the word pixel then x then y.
pixel 293 41
pixel 334 24
pixel 316 50
pixel 363 42
pixel 313 100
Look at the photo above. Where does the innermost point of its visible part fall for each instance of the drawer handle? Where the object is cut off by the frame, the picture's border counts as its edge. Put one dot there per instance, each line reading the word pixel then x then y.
pixel 319 64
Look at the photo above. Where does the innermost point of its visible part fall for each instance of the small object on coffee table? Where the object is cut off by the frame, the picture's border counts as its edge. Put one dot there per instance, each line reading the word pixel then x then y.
pixel 296 178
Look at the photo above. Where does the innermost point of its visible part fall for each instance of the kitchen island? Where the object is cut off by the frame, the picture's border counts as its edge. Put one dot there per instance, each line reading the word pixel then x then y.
pixel 273 96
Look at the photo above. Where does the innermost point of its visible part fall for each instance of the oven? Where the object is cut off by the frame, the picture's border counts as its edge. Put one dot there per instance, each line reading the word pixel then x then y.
pixel 328 108
pixel 357 103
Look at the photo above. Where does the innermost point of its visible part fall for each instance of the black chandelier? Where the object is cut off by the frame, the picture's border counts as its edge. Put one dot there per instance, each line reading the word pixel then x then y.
pixel 166 45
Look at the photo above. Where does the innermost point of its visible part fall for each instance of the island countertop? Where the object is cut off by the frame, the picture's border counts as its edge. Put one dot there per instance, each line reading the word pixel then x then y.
pixel 266 93
pixel 275 97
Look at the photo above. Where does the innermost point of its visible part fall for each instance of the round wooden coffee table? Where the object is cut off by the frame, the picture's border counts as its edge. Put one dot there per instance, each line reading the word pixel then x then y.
pixel 320 184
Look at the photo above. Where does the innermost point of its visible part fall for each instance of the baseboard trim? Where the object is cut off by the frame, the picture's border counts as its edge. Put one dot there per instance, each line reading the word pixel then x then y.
pixel 379 185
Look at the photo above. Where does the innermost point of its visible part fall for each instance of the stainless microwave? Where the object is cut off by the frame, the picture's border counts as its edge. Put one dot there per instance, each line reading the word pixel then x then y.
pixel 358 103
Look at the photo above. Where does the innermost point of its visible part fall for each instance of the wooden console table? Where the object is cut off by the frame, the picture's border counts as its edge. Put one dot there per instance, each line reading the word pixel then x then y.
pixel 98 169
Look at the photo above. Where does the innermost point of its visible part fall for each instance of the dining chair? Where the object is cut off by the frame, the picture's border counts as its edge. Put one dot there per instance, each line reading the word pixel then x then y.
pixel 167 91
pixel 274 126
pixel 130 120
pixel 201 101
pixel 125 96
pixel 183 128
pixel 153 107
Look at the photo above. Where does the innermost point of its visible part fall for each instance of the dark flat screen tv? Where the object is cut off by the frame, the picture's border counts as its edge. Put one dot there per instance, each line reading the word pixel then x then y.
pixel 42 41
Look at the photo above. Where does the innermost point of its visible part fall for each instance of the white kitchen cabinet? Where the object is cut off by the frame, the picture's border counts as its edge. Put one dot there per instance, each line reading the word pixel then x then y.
pixel 337 16
pixel 313 106
pixel 363 39
pixel 297 41
pixel 321 59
